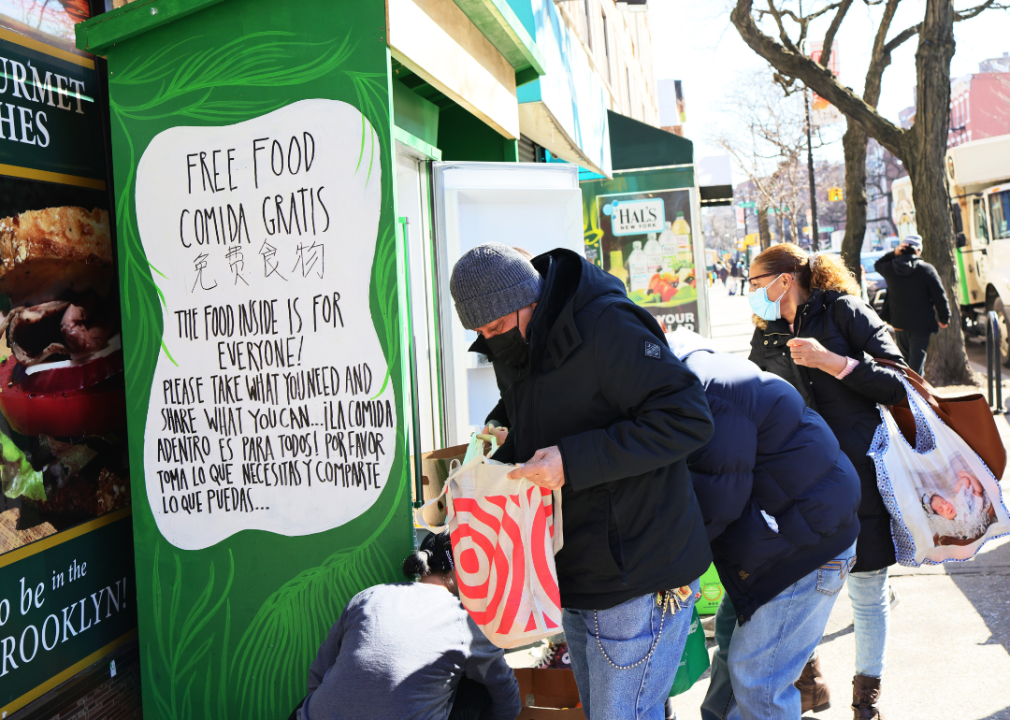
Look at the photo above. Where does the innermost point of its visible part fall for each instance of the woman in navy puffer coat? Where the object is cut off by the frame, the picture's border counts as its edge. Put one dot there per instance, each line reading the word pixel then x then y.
pixel 779 499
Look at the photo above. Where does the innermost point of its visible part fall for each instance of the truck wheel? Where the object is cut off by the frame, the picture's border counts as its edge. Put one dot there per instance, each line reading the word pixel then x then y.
pixel 1004 325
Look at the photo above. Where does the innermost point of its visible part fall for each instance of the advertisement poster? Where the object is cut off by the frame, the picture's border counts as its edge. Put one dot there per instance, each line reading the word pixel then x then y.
pixel 67 593
pixel 646 240
pixel 258 280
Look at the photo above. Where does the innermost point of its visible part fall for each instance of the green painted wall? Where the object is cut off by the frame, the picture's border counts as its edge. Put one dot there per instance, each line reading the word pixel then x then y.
pixel 461 136
pixel 229 631
pixel 414 114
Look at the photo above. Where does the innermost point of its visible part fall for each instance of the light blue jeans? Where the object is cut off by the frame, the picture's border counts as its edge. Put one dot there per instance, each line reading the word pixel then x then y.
pixel 754 669
pixel 639 687
pixel 871 618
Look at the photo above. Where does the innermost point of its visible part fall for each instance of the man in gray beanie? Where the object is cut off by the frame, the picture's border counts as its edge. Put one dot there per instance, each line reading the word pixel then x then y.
pixel 598 406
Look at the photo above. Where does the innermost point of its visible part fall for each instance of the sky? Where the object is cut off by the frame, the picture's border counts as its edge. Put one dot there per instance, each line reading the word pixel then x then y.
pixel 695 42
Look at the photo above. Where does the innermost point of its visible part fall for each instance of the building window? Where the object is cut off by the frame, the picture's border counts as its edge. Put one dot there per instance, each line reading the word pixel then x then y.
pixel 606 45
pixel 589 23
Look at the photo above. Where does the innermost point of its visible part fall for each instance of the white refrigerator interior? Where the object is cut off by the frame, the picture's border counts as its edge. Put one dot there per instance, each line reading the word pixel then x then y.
pixel 537 207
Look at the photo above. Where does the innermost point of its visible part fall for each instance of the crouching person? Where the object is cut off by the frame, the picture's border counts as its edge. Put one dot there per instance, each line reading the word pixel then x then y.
pixel 779 499
pixel 599 407
pixel 410 650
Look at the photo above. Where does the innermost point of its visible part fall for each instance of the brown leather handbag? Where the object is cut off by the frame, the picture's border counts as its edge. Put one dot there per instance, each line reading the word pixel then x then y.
pixel 967 415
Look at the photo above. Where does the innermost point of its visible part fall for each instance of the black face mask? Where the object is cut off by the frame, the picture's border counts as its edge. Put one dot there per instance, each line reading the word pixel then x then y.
pixel 510 347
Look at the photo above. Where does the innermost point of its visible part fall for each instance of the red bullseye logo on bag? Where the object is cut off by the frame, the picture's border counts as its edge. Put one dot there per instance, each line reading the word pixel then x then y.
pixel 505 534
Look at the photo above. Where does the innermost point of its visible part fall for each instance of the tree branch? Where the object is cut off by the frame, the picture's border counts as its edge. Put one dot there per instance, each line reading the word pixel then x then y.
pixel 817 78
pixel 829 36
pixel 901 37
pixel 969 13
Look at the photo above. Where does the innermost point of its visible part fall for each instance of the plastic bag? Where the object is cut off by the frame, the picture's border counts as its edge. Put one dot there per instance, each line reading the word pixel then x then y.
pixel 694 662
pixel 943 500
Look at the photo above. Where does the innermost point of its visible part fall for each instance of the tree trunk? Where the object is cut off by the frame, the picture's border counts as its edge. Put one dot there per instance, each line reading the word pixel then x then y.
pixel 763 229
pixel 854 145
pixel 947 360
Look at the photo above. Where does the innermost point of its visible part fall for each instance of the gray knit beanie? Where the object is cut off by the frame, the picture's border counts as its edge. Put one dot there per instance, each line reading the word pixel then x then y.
pixel 492 281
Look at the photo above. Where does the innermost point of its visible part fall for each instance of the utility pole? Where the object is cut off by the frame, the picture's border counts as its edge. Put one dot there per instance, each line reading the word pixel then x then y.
pixel 815 234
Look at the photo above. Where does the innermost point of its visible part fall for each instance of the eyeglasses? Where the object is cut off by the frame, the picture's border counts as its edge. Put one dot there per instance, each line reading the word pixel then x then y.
pixel 758 277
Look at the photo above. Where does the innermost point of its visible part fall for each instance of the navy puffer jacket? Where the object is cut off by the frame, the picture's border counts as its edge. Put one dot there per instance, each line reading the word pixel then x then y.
pixel 769 453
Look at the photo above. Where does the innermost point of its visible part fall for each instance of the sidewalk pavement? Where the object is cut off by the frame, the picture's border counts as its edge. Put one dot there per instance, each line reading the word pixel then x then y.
pixel 949 651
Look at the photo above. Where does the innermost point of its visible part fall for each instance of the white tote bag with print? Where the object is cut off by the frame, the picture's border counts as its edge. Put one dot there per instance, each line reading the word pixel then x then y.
pixel 943 500
pixel 504 537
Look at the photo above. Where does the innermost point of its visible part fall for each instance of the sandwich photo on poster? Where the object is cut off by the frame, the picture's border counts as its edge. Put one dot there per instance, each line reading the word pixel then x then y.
pixel 63 424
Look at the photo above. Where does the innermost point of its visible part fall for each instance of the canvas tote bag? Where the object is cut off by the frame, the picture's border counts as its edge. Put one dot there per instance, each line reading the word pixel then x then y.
pixel 504 537
pixel 944 501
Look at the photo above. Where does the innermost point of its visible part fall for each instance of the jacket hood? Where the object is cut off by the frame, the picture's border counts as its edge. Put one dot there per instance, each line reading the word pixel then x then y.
pixel 905 265
pixel 684 343
pixel 570 283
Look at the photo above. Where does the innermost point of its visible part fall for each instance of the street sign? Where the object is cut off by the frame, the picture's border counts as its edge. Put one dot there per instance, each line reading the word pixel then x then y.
pixel 746 204
pixel 825 228
pixel 835 194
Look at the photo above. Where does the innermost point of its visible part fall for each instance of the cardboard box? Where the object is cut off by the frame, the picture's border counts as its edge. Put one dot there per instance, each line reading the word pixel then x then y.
pixel 434 471
pixel 548 695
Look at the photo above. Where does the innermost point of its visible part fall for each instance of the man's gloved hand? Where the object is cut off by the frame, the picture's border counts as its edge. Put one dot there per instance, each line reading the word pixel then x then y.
pixel 544 469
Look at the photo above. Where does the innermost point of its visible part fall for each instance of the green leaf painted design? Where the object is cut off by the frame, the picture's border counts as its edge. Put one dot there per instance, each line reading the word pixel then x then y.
pixel 186 658
pixel 182 641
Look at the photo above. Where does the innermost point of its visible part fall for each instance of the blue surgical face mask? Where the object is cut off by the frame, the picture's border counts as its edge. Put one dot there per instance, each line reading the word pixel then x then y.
pixel 762 306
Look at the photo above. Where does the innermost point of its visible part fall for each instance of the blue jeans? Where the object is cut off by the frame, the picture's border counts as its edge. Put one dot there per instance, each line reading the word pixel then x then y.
pixel 757 663
pixel 871 616
pixel 638 689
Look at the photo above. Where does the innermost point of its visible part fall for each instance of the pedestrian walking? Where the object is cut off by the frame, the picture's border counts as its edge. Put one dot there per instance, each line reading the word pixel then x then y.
pixel 600 408
pixel 779 499
pixel 815 332
pixel 734 274
pixel 915 300
pixel 379 661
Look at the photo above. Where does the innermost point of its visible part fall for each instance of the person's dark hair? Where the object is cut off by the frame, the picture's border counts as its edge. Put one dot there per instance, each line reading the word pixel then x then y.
pixel 434 556
pixel 823 270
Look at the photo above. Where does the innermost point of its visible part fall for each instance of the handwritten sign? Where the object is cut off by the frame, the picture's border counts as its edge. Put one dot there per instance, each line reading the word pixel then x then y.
pixel 271 407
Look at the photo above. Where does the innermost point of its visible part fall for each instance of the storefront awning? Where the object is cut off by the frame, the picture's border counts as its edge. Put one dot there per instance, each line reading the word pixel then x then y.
pixel 635 145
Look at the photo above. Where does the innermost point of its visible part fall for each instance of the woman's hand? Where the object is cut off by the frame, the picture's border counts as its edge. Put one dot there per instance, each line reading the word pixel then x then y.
pixel 808 352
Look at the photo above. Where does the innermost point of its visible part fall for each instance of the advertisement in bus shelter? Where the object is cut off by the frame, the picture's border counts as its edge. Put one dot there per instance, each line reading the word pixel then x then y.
pixel 66 558
pixel 646 240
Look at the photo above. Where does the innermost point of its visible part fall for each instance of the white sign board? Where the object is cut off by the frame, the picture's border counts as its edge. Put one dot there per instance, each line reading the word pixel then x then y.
pixel 634 217
pixel 270 407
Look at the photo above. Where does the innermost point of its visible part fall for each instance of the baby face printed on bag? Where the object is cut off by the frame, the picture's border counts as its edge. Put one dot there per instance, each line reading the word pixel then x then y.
pixel 958 510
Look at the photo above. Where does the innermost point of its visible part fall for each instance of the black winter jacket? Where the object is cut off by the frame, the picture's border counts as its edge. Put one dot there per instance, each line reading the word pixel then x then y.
pixel 770 453
pixel 847 326
pixel 915 295
pixel 603 386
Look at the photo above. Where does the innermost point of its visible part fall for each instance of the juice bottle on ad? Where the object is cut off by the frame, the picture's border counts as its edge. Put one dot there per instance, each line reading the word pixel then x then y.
pixel 682 232
pixel 617 266
pixel 668 246
pixel 638 266
pixel 654 254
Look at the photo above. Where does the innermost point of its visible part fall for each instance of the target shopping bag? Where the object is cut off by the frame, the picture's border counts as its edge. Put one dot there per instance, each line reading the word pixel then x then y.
pixel 504 537
pixel 943 500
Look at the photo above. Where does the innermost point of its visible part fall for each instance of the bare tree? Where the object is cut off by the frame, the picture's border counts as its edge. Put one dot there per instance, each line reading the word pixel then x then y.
pixel 921 148
pixel 766 138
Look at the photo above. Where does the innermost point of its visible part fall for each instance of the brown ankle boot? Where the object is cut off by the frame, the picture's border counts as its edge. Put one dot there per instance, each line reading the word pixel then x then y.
pixel 865 696
pixel 814 693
